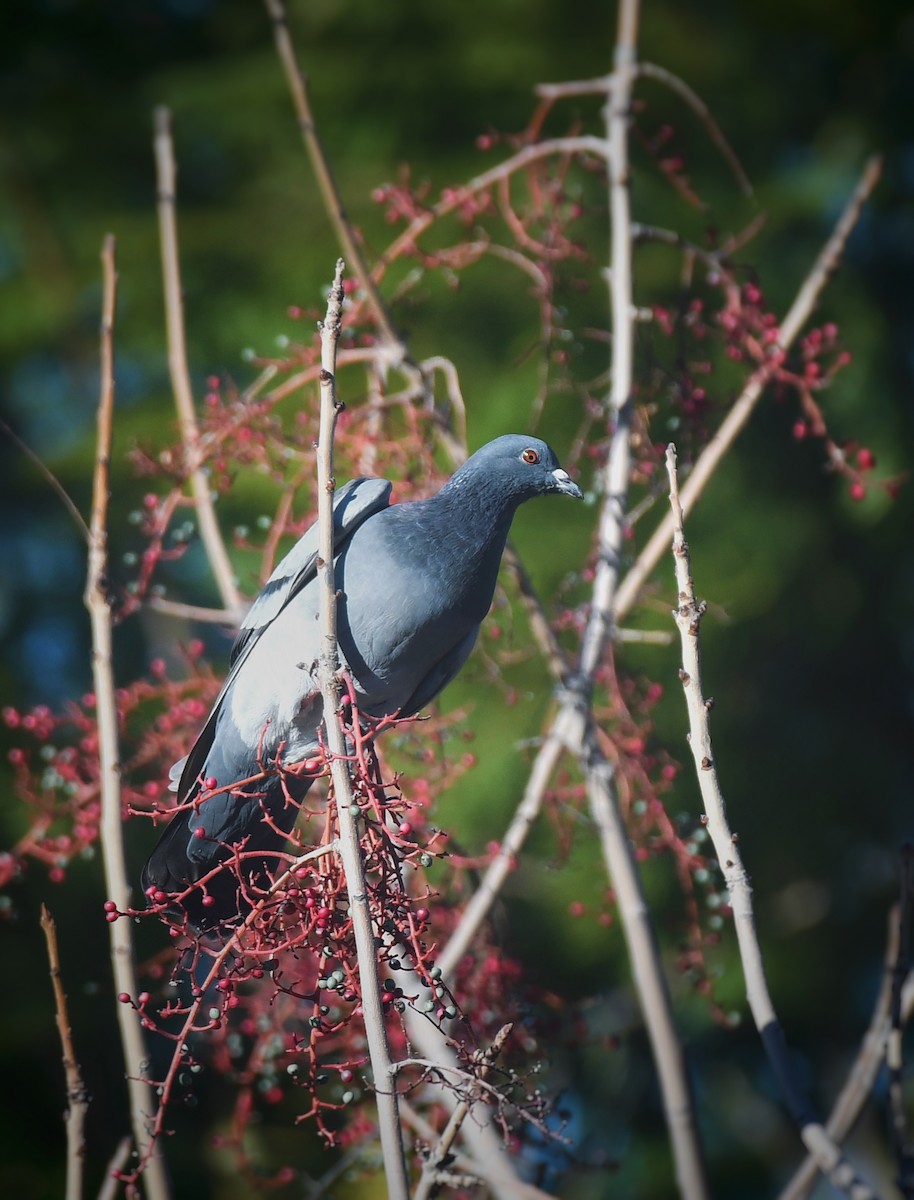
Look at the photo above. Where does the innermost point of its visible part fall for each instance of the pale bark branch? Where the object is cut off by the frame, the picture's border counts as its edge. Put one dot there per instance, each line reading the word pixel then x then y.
pixel 210 534
pixel 383 1071
pixel 865 1069
pixel 650 981
pixel 141 1097
pixel 688 613
pixel 799 312
pixel 77 1096
pixel 440 1154
pixel 330 193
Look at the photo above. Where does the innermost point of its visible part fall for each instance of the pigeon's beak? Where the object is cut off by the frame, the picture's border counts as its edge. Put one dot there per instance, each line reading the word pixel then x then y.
pixel 565 484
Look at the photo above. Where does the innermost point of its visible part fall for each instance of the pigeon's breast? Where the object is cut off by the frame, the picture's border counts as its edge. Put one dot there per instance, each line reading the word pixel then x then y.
pixel 403 609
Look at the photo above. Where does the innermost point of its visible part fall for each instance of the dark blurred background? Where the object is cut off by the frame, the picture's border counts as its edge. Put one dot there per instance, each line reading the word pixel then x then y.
pixel 809 650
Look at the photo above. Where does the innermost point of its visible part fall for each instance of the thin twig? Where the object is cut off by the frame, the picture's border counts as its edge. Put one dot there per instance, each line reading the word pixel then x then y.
pixel 140 1094
pixel 192 612
pixel 898 1118
pixel 320 164
pixel 688 613
pixel 112 1183
pixel 866 1066
pixel 519 1190
pixel 715 133
pixel 210 534
pixel 805 301
pixel 350 849
pixel 77 1096
pixel 50 479
pixel 584 144
pixel 480 1133
pixel 441 1154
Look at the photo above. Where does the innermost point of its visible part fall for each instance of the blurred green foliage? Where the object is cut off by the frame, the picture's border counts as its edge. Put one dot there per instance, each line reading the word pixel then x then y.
pixel 809 649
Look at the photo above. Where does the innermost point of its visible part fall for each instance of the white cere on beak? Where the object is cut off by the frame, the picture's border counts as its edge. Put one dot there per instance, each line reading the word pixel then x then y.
pixel 565 484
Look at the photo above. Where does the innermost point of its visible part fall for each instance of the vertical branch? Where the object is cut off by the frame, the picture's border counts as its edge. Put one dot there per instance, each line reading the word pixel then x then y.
pixel 77 1097
pixel 688 614
pixel 634 913
pixel 382 1068
pixel 901 968
pixel 141 1097
pixel 210 534
pixel 618 466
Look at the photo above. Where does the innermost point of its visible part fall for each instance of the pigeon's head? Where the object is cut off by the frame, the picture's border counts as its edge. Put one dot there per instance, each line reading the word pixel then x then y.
pixel 516 468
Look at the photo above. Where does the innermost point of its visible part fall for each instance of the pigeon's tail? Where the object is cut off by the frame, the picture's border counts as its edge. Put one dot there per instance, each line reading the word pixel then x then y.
pixel 228 851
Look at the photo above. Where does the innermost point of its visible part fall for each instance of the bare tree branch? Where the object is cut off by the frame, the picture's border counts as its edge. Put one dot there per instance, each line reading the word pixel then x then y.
pixel 440 1155
pixel 866 1066
pixel 385 1082
pixel 213 543
pixel 688 615
pixel 805 301
pixel 715 133
pixel 77 1096
pixel 141 1097
pixel 320 164
pixel 901 969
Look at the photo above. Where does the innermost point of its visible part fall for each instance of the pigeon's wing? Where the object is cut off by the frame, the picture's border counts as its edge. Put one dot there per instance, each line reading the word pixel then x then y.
pixel 353 504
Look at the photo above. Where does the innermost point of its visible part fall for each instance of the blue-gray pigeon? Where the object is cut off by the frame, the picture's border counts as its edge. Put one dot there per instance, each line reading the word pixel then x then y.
pixel 414 581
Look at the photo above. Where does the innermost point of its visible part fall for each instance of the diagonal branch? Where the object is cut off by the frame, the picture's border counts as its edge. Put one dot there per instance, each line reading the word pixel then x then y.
pixel 688 615
pixel 320 164
pixel 441 1154
pixel 865 1070
pixel 797 315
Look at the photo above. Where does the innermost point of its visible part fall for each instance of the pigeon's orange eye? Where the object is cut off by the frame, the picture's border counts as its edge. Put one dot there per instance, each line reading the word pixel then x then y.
pixel 531 456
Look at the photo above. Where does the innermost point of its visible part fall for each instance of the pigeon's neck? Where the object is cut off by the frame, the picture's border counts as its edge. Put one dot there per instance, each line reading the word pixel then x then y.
pixel 478 506
pixel 474 519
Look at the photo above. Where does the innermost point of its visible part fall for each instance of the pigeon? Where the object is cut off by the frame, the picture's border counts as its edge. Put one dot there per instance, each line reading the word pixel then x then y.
pixel 414 582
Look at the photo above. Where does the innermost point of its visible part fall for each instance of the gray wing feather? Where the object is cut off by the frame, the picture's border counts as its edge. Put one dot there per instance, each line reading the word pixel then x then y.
pixel 354 503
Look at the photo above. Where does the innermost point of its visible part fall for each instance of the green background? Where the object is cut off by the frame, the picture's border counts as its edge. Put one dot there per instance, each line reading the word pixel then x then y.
pixel 809 647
